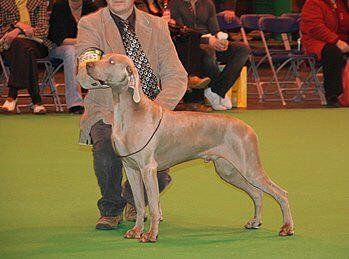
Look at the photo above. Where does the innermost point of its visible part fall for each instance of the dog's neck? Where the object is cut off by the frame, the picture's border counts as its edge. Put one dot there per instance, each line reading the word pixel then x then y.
pixel 146 113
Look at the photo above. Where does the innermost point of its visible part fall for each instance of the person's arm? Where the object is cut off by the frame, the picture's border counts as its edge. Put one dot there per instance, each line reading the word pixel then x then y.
pixel 175 13
pixel 41 28
pixel 57 27
pixel 88 37
pixel 6 24
pixel 173 76
pixel 212 21
pixel 313 23
pixel 69 41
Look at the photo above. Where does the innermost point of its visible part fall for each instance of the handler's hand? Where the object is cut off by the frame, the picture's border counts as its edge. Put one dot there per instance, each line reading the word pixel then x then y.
pixel 166 15
pixel 27 29
pixel 218 45
pixel 228 15
pixel 343 46
pixel 10 36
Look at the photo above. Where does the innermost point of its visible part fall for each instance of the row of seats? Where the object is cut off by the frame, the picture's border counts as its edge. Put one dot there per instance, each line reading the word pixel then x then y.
pixel 290 56
pixel 51 67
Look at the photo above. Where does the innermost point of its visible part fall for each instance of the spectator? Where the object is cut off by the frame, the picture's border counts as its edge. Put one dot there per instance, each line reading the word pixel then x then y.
pixel 63 30
pixel 200 15
pixel 23 33
pixel 109 30
pixel 325 33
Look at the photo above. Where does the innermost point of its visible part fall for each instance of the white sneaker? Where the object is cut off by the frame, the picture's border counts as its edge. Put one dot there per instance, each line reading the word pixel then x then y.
pixel 39 109
pixel 9 105
pixel 214 99
pixel 226 102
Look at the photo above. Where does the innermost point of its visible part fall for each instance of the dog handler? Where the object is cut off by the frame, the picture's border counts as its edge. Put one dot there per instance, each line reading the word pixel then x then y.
pixel 123 29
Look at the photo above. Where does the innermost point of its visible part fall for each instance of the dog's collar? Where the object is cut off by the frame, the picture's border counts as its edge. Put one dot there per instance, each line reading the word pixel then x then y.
pixel 146 144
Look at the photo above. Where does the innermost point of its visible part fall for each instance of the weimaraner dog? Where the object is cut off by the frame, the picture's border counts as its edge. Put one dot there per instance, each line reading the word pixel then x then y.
pixel 150 138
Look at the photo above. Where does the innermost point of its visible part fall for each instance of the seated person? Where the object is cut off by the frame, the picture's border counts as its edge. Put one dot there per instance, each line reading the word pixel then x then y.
pixel 325 33
pixel 23 32
pixel 63 30
pixel 201 17
pixel 187 43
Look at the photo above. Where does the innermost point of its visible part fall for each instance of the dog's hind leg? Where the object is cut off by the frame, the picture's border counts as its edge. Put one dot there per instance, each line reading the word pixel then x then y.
pixel 150 180
pixel 230 174
pixel 135 179
pixel 258 178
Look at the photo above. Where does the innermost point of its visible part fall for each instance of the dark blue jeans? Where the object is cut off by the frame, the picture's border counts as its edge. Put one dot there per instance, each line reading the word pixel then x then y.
pixel 108 170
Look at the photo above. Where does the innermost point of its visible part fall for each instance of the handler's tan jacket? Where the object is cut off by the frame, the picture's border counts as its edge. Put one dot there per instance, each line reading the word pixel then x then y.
pixel 100 31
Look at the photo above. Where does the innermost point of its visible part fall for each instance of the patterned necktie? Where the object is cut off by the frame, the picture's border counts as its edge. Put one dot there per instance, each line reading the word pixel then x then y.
pixel 134 51
pixel 189 6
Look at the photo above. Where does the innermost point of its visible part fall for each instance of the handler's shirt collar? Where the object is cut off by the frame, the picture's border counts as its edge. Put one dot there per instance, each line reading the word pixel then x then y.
pixel 118 21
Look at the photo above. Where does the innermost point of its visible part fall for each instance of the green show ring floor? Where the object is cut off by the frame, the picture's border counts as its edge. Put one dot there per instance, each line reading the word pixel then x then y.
pixel 48 194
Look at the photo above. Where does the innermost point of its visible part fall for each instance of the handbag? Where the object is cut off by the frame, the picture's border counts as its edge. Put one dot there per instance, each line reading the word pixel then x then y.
pixel 344 97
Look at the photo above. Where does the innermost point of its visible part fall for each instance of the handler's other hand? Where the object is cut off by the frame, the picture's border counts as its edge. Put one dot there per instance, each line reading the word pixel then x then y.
pixel 218 45
pixel 166 15
pixel 343 46
pixel 228 15
pixel 27 29
pixel 10 36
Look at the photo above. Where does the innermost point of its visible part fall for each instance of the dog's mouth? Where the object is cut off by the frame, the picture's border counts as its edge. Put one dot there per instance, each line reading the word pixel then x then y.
pixel 101 82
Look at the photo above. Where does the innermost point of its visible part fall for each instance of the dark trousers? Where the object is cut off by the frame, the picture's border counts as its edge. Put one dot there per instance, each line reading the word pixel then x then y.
pixel 189 52
pixel 191 56
pixel 21 57
pixel 332 65
pixel 108 170
pixel 234 58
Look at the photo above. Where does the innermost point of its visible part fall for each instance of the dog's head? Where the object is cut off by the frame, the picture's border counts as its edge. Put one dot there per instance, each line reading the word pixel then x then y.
pixel 116 71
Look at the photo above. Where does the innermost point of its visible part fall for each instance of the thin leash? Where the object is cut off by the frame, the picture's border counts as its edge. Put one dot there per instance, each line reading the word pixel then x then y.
pixel 151 137
pixel 146 144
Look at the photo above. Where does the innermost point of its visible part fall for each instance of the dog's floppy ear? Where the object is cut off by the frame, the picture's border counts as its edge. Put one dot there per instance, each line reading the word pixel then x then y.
pixel 134 82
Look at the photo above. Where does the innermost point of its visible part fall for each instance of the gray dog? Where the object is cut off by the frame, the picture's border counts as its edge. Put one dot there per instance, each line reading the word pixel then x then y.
pixel 149 138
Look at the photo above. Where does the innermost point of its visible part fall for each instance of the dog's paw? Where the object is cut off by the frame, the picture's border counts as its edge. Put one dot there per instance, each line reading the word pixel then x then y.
pixel 134 233
pixel 253 224
pixel 286 230
pixel 148 238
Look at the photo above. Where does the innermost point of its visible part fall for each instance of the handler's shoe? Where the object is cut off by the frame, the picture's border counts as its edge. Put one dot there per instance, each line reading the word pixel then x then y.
pixel 108 223
pixel 39 109
pixel 131 213
pixel 9 105
pixel 195 82
pixel 226 102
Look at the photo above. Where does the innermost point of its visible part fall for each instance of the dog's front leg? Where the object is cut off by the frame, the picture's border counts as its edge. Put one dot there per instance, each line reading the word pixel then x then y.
pixel 150 181
pixel 135 179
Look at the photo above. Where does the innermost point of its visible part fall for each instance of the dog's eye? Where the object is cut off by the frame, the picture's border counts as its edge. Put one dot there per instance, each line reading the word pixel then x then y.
pixel 111 61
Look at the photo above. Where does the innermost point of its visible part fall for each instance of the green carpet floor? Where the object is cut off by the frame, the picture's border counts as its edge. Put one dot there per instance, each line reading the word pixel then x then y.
pixel 48 194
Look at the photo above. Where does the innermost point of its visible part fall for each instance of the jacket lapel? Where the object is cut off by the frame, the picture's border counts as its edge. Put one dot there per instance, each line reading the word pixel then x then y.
pixel 143 30
pixel 112 34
